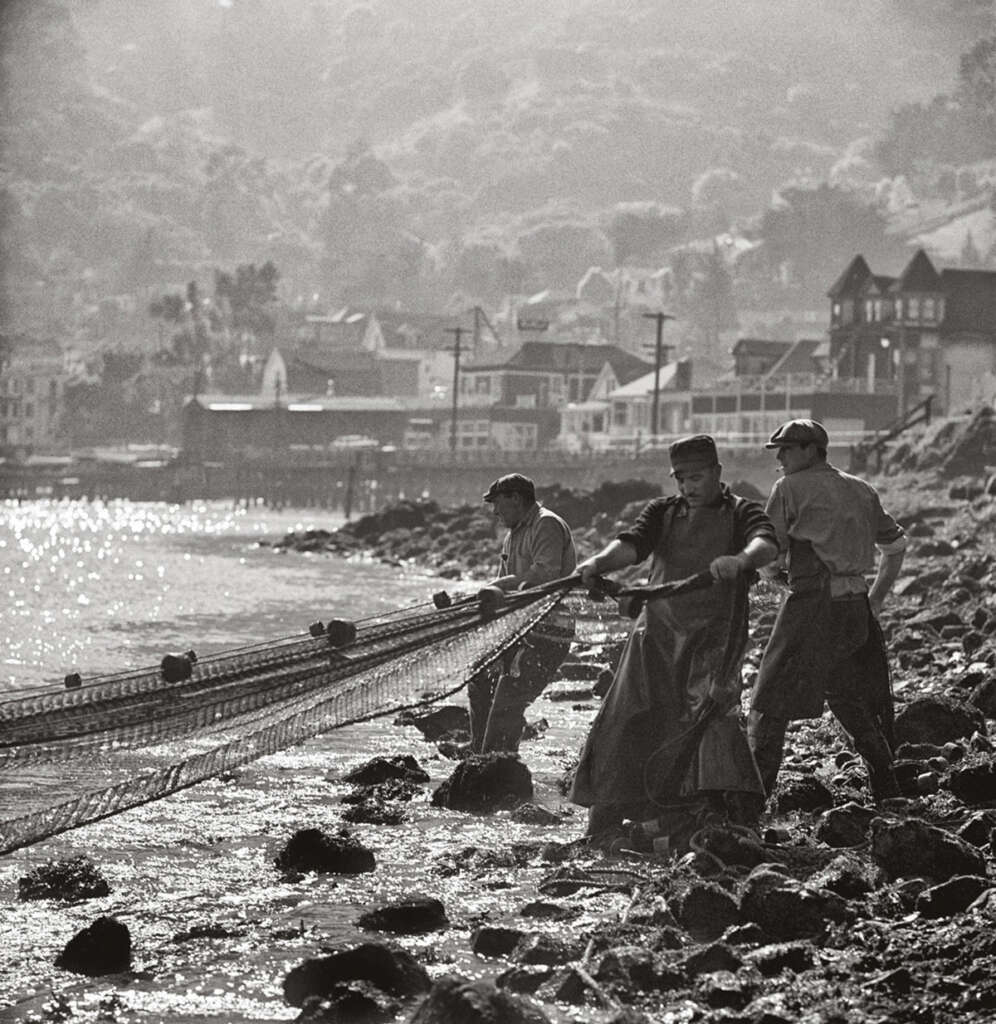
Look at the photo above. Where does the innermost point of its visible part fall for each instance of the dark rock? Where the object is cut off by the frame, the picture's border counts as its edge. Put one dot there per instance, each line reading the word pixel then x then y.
pixel 485 782
pixel 74 878
pixel 801 793
pixel 495 940
pixel 374 812
pixel 102 948
pixel 984 697
pixel 410 916
pixel 534 814
pixel 455 1000
pixel 952 896
pixel 723 989
pixel 359 1002
pixel 937 720
pixel 783 956
pixel 732 846
pixel 919 751
pixel 935 619
pixel 525 977
pixel 846 825
pixel 705 911
pixel 391 969
pixel 311 849
pixel 716 957
pixel 637 967
pixel 547 911
pixel 435 724
pixel 208 931
pixel 568 986
pixel 847 876
pixel 975 783
pixel 912 847
pixel 978 828
pixel 380 769
pixel 786 909
pixel 393 789
pixel 545 949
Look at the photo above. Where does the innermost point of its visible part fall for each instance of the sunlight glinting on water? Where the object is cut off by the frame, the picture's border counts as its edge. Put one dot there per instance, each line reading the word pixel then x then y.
pixel 100 587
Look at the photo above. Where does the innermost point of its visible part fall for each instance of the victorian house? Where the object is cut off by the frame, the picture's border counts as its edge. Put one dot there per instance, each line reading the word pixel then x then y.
pixel 930 332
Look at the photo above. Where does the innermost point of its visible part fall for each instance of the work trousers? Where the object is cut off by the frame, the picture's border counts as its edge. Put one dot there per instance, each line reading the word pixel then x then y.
pixel 500 694
pixel 848 693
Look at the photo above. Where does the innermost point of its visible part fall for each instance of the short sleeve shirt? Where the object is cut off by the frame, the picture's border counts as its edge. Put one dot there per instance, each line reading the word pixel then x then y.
pixel 840 515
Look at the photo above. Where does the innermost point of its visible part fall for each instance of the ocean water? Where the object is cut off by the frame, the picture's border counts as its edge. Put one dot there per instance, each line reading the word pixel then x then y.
pixel 95 588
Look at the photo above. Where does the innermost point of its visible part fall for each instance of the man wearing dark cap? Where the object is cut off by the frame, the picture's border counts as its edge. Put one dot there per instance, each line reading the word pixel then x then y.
pixel 826 644
pixel 538 547
pixel 681 664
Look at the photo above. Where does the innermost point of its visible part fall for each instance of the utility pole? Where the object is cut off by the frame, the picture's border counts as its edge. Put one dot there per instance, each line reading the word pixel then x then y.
pixel 458 333
pixel 658 349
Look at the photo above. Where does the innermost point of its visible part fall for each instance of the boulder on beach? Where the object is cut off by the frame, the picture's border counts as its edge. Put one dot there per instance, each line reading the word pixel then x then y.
pixel 457 1000
pixel 390 968
pixel 104 947
pixel 311 849
pixel 484 783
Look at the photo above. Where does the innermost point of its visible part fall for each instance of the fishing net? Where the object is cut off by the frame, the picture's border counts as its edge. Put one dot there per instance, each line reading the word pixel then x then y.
pixel 70 757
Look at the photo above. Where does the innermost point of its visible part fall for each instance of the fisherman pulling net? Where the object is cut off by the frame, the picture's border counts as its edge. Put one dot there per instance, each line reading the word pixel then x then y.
pixel 77 755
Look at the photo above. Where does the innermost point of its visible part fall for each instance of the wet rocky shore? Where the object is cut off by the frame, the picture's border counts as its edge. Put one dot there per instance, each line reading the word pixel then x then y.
pixel 837 910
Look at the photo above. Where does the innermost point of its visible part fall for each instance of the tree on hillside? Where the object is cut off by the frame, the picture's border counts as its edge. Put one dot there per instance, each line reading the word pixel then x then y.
pixel 957 128
pixel 813 233
pixel 247 298
pixel 641 232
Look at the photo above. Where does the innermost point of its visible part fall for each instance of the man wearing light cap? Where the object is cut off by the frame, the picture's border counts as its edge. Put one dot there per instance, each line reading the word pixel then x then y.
pixel 681 664
pixel 538 547
pixel 826 644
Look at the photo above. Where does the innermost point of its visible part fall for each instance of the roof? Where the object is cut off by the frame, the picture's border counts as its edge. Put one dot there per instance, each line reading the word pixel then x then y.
pixel 643 386
pixel 415 330
pixel 919 275
pixel 799 357
pixel 305 403
pixel 879 284
pixel 760 347
pixel 970 303
pixel 571 357
pixel 850 282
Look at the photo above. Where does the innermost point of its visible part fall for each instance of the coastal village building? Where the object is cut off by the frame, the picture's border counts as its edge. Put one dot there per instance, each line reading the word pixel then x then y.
pixel 32 382
pixel 927 332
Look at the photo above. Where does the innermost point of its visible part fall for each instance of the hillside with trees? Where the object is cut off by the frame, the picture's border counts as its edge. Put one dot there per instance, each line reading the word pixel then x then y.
pixel 404 152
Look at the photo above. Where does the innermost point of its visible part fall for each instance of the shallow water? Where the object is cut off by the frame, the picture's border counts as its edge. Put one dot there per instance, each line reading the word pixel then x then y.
pixel 102 587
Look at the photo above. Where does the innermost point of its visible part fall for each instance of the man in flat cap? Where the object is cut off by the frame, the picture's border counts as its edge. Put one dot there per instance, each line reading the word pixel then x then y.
pixel 538 547
pixel 826 644
pixel 681 664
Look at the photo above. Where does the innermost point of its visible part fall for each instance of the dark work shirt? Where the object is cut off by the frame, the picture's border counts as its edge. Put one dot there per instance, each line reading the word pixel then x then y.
pixel 749 523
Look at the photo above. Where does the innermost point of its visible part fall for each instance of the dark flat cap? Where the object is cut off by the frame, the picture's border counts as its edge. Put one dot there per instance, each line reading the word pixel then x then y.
pixel 512 483
pixel 697 450
pixel 799 432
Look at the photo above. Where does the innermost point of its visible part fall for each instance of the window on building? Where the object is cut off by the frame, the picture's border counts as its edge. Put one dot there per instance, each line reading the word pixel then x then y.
pixel 899 309
pixel 619 414
pixel 914 308
pixel 835 312
pixel 930 310
pixel 598 423
pixel 29 410
pixel 869 310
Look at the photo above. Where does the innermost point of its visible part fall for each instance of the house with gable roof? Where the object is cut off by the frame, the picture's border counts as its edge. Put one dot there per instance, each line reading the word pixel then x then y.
pixel 929 332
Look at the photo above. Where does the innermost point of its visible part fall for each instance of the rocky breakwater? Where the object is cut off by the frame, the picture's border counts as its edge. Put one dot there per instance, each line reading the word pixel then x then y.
pixel 463 542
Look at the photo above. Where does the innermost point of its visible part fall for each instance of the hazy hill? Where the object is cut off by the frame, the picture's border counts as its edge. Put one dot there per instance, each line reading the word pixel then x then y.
pixel 401 149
